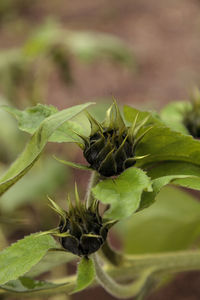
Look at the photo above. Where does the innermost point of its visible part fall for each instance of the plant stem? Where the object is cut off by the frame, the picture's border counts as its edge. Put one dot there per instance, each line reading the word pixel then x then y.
pixel 177 261
pixel 118 290
pixel 3 241
pixel 148 267
pixel 113 257
pixel 94 179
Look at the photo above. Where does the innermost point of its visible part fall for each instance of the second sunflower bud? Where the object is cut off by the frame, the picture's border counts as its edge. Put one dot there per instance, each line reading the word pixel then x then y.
pixel 111 146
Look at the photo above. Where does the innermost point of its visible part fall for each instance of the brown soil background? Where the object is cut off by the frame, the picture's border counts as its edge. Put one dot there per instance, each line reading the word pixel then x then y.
pixel 165 38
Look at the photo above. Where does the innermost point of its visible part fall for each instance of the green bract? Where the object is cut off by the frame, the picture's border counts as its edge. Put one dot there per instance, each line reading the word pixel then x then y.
pixel 111 146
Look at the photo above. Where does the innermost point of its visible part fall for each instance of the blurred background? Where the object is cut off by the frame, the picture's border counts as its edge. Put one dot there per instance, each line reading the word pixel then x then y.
pixel 143 53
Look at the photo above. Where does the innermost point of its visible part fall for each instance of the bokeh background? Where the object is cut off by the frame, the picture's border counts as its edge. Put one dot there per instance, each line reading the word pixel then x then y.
pixel 59 52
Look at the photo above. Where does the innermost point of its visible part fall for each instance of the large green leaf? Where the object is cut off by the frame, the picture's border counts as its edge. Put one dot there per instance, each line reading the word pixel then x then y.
pixel 85 274
pixel 163 144
pixel 18 259
pixel 173 115
pixel 27 285
pixel 171 223
pixel 36 144
pixel 123 193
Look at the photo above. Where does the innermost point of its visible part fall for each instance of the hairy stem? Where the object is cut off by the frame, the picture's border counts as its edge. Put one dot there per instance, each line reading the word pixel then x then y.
pixel 171 261
pixel 148 267
pixel 94 179
pixel 118 290
pixel 113 257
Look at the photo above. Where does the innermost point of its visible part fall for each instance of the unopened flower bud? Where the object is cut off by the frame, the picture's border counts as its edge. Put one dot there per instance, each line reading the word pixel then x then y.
pixel 82 231
pixel 192 116
pixel 111 146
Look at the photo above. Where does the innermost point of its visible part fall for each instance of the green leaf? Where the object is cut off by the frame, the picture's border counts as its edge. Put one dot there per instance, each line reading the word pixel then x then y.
pixel 148 199
pixel 189 182
pixel 26 284
pixel 163 144
pixel 178 173
pixel 173 168
pixel 51 260
pixel 85 274
pixel 30 119
pixel 18 259
pixel 36 144
pixel 171 223
pixel 131 113
pixel 123 193
pixel 68 131
pixel 184 174
pixel 173 115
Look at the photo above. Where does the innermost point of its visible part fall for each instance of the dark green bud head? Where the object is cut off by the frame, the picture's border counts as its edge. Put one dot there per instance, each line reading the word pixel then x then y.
pixel 110 148
pixel 192 116
pixel 81 230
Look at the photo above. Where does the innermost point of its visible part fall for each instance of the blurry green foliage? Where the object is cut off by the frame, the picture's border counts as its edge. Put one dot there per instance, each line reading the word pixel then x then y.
pixel 43 180
pixel 11 139
pixel 10 9
pixel 171 223
pixel 173 115
pixel 25 71
pixel 184 116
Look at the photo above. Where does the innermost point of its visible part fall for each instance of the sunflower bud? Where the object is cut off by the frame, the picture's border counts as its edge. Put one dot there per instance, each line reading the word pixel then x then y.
pixel 192 116
pixel 81 230
pixel 111 146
